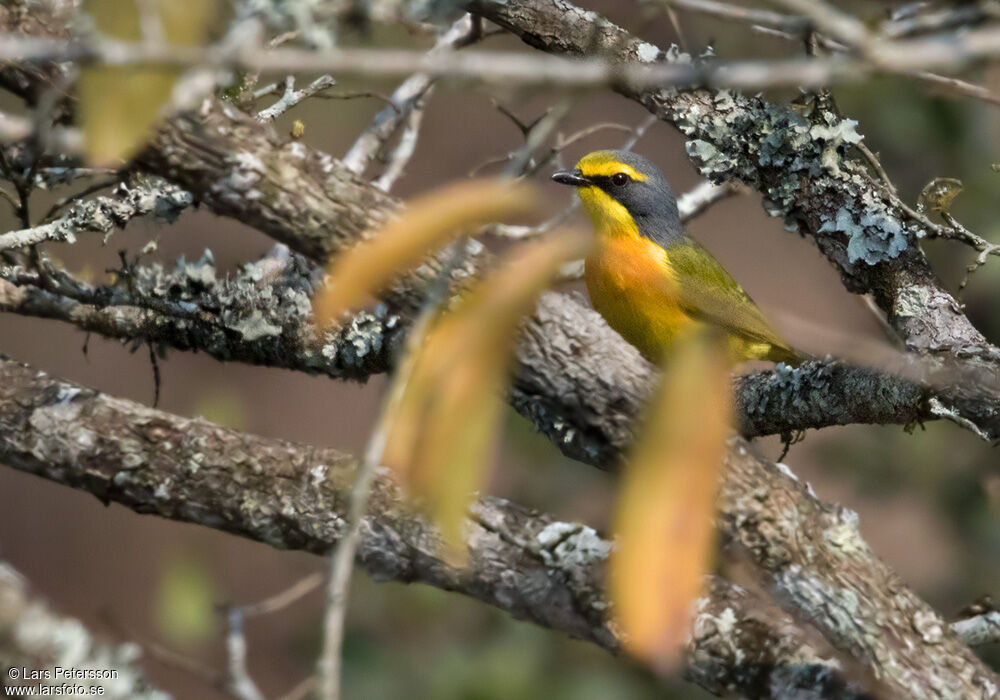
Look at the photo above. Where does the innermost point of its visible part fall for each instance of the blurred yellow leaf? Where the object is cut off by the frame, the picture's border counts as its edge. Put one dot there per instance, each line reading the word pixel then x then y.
pixel 664 521
pixel 429 222
pixel 119 105
pixel 185 602
pixel 444 425
pixel 939 193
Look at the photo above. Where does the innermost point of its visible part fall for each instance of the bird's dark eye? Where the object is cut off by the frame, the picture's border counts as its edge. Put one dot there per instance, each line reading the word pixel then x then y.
pixel 619 179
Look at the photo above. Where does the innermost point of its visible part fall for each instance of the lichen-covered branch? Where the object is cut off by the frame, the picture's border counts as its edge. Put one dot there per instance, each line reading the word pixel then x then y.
pixel 979 629
pixel 820 566
pixel 103 214
pixel 798 162
pixel 295 497
pixel 261 315
pixel 33 636
pixel 584 390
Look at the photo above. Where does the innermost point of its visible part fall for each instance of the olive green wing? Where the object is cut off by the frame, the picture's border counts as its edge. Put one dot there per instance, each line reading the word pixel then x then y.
pixel 709 293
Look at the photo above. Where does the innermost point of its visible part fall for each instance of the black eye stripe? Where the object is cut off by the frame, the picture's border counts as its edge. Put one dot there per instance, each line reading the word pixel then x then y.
pixel 606 182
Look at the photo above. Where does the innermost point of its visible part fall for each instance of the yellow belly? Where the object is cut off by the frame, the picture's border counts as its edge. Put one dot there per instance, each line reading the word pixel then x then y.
pixel 631 286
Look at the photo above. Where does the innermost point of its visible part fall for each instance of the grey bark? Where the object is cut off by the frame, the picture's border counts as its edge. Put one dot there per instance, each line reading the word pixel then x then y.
pixel 260 315
pixel 294 496
pixel 589 413
pixel 583 394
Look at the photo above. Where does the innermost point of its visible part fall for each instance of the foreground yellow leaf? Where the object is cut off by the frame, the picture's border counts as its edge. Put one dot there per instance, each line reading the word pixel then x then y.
pixel 429 222
pixel 664 521
pixel 444 426
pixel 119 105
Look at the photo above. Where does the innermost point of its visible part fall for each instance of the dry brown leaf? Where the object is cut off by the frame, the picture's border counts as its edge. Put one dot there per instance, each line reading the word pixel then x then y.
pixel 444 427
pixel 664 521
pixel 429 222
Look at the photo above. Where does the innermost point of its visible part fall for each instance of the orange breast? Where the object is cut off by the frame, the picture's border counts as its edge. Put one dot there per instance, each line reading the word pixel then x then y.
pixel 631 286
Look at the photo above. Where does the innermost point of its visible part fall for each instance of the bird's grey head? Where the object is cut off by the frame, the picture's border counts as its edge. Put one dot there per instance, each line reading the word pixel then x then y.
pixel 634 182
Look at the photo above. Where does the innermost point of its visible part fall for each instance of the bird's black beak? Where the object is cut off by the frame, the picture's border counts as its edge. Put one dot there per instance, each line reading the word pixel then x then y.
pixel 566 177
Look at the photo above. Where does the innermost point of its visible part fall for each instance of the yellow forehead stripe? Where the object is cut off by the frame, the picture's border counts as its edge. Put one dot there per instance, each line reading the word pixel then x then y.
pixel 604 164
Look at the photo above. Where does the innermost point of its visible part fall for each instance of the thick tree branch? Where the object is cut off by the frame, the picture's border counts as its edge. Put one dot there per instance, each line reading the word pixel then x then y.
pixel 800 543
pixel 585 394
pixel 295 497
pixel 261 315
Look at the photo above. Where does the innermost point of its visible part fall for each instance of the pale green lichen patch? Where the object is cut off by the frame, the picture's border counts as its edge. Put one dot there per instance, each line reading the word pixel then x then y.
pixel 872 236
pixel 798 160
pixel 839 607
pixel 913 300
pixel 252 327
pixel 845 535
pixel 572 545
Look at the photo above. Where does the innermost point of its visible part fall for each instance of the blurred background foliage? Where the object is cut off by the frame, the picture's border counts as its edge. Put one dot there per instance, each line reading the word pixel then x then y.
pixel 929 497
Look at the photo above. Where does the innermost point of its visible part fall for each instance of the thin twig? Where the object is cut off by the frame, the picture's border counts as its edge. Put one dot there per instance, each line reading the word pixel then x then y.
pixel 675 22
pixel 238 680
pixel 700 199
pixel 291 97
pixel 342 560
pixel 85 192
pixel 405 147
pixel 300 690
pixel 406 97
pixel 874 161
pixel 739 13
pixel 357 94
pixel 282 600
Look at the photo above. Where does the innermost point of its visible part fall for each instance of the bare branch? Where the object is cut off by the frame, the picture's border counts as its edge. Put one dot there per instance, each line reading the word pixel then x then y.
pixel 697 201
pixel 742 14
pixel 403 152
pixel 238 680
pixel 404 100
pixel 104 214
pixel 980 629
pixel 283 599
pixel 291 97
pixel 830 20
pixel 941 54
